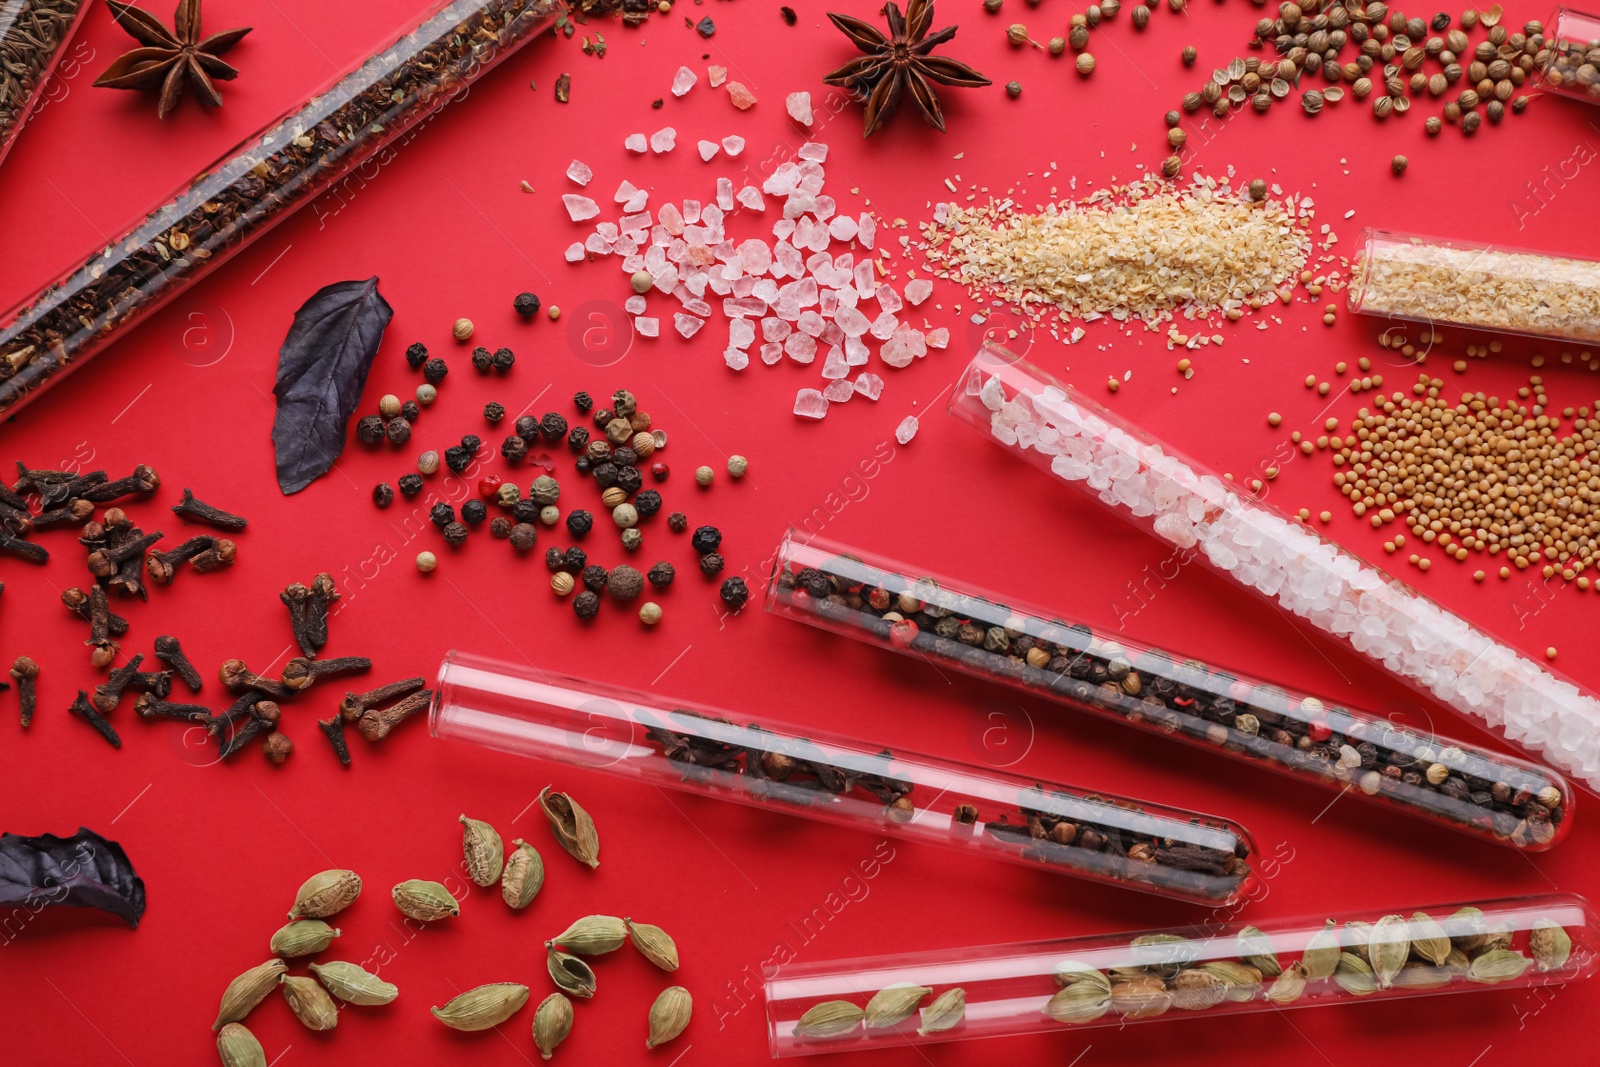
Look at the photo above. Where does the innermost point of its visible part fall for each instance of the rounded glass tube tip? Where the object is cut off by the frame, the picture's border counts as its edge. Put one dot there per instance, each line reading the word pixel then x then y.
pixel 1572 55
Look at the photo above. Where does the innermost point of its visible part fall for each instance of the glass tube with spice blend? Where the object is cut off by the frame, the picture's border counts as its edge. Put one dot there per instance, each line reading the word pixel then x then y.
pixel 1218 969
pixel 1144 480
pixel 952 624
pixel 980 811
pixel 1570 59
pixel 34 35
pixel 257 185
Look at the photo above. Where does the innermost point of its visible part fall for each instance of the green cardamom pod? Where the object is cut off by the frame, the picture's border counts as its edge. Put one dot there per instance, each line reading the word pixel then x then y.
pixel 1357 932
pixel 1321 956
pixel 570 974
pixel 945 1013
pixel 669 1015
pixel 484 1007
pixel 654 943
pixel 1422 976
pixel 238 1047
pixel 893 1004
pixel 1498 965
pixel 1497 938
pixel 1081 1002
pixel 1550 944
pixel 303 937
pixel 552 1022
pixel 524 875
pixel 1457 960
pixel 1288 986
pixel 1144 997
pixel 1354 975
pixel 1428 940
pixel 831 1018
pixel 1465 926
pixel 1255 948
pixel 1388 948
pixel 1197 989
pixel 1071 972
pixel 425 901
pixel 1163 954
pixel 483 850
pixel 593 935
pixel 326 894
pixel 572 826
pixel 353 984
pixel 248 990
pixel 310 1002
pixel 1240 981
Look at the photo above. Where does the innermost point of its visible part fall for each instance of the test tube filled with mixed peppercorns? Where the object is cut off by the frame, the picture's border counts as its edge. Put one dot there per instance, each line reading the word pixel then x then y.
pixel 1496 797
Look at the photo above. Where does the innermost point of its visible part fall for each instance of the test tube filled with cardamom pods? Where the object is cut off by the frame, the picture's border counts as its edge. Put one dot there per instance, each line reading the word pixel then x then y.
pixel 847 781
pixel 957 625
pixel 1220 969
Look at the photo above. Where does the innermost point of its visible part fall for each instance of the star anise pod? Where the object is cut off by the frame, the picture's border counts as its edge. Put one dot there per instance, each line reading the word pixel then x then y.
pixel 899 63
pixel 170 59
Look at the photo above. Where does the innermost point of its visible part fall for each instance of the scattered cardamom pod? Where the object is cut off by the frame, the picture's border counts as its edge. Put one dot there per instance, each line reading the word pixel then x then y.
pixel 552 1022
pixel 1498 965
pixel 484 1007
pixel 1141 998
pixel 248 990
pixel 310 1002
pixel 326 894
pixel 1240 981
pixel 570 974
pixel 524 875
pixel 654 943
pixel 669 1015
pixel 1288 986
pixel 1197 989
pixel 1321 956
pixel 1080 1002
pixel 1071 972
pixel 303 937
pixel 945 1013
pixel 893 1004
pixel 425 901
pixel 238 1047
pixel 1255 948
pixel 353 984
pixel 831 1018
pixel 572 826
pixel 1428 940
pixel 1550 944
pixel 483 850
pixel 1421 976
pixel 593 935
pixel 1354 975
pixel 1388 947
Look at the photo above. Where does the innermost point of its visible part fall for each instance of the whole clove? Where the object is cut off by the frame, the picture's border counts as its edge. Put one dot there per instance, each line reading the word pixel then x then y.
pixel 57 493
pixel 106 562
pixel 108 694
pixel 143 481
pixel 218 725
pixel 198 510
pixel 161 566
pixel 150 706
pixel 299 673
pixel 240 737
pixel 99 614
pixel 354 705
pixel 17 521
pixel 78 602
pixel 216 557
pixel 73 511
pixel 308 611
pixel 24 671
pixel 157 683
pixel 29 551
pixel 235 676
pixel 333 730
pixel 277 748
pixel 169 652
pixel 85 711
pixel 375 724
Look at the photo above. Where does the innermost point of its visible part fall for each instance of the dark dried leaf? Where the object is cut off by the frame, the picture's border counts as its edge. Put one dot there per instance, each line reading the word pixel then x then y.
pixel 81 871
pixel 322 368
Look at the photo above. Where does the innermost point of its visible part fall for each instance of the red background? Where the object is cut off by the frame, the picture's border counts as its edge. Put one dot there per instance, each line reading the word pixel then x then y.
pixel 446 228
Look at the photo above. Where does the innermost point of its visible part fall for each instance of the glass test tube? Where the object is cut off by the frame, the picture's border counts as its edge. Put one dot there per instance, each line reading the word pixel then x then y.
pixel 34 35
pixel 1570 59
pixel 696 748
pixel 1219 969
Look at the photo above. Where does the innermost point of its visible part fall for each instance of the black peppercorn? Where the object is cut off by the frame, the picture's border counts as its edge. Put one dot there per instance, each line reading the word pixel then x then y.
pixel 677 522
pixel 454 534
pixel 594 577
pixel 503 359
pixel 411 411
pixel 398 431
pixel 500 527
pixel 417 355
pixel 605 474
pixel 383 494
pixel 474 511
pixel 661 575
pixel 494 411
pixel 526 510
pixel 583 401
pixel 442 515
pixel 472 442
pixel 586 604
pixel 734 593
pixel 583 465
pixel 598 450
pixel 435 369
pixel 602 416
pixel 457 458
pixel 369 429
pixel 580 522
pixel 625 582
pixel 527 427
pixel 482 360
pixel 526 305
pixel 574 560
pixel 513 448
pixel 623 456
pixel 554 559
pixel 710 564
pixel 624 403
pixel 578 438
pixel 553 426
pixel 523 536
pixel 410 484
pixel 706 539
pixel 629 479
pixel 647 503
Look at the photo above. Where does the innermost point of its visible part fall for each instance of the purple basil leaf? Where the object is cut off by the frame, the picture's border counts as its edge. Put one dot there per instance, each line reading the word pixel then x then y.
pixel 81 871
pixel 322 368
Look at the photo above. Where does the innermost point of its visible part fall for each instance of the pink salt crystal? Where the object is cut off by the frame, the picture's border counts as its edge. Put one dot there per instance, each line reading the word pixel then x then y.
pixel 906 344
pixel 866 230
pixel 686 325
pixel 647 327
pixel 751 198
pixel 691 211
pixel 852 321
pixel 637 201
pixel 707 149
pixel 811 323
pixel 888 299
pixel 869 385
pixel 826 206
pixel 695 306
pixel 741 333
pixel 625 192
pixel 663 140
pixel 716 75
pixel 724 194
pixel 635 304
pixel 580 208
pixel 699 256
pixel 856 352
pixel 918 290
pixel 834 365
pixel 842 228
pixel 810 404
pixel 683 81
pixel 799 107
pixel 814 151
pixel 938 338
pixel 831 334
pixel 597 244
pixel 736 358
pixel 906 430
pixel 866 279
pixel 802 348
pixel 838 392
pixel 574 252
pixel 775 329
pixel 755 256
pixel 742 98
pixel 744 306
pixel 733 144
pixel 635 142
pixel 579 173
pixel 883 326
pixel 771 352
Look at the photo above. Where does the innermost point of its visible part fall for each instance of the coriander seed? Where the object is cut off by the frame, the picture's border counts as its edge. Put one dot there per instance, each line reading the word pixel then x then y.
pixel 1057 45
pixel 1398 165
pixel 1017 34
pixel 1085 64
pixel 428 462
pixel 1013 89
pixel 462 330
pixel 1258 191
pixel 1189 55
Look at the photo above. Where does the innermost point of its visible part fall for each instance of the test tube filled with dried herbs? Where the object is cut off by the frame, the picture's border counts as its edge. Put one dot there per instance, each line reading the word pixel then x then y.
pixel 954 625
pixel 34 35
pixel 846 781
pixel 371 109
